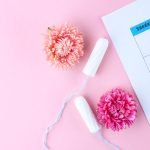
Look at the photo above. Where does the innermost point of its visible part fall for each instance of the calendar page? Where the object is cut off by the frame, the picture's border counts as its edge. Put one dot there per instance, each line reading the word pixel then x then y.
pixel 129 29
pixel 141 34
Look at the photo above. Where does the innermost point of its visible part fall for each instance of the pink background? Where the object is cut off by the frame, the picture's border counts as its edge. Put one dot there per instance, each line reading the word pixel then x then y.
pixel 31 91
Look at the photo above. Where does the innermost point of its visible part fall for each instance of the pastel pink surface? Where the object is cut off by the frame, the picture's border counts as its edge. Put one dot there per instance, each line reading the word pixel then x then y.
pixel 32 91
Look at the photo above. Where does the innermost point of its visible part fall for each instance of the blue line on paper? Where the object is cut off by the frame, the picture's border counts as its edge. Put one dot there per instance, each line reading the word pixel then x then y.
pixel 137 29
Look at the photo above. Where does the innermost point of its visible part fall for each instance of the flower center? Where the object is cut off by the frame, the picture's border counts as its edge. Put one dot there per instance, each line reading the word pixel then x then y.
pixel 63 47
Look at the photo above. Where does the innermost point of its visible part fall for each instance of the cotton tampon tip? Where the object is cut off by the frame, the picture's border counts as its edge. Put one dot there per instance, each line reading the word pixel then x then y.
pixel 96 57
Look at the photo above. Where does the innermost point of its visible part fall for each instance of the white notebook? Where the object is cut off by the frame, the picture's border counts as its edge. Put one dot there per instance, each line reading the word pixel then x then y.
pixel 129 29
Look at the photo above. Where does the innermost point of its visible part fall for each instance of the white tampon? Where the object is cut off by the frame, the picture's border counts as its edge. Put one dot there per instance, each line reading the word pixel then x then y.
pixel 87 114
pixel 96 57
pixel 90 121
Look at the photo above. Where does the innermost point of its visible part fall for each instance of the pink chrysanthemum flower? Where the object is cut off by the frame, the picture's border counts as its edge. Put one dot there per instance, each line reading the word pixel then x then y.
pixel 116 109
pixel 64 46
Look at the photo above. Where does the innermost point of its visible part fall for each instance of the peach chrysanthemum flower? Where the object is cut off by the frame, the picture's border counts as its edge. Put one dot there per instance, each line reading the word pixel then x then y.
pixel 64 46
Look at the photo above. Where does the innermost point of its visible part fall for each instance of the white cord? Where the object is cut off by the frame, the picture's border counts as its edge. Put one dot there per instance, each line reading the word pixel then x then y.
pixel 60 113
pixel 107 142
